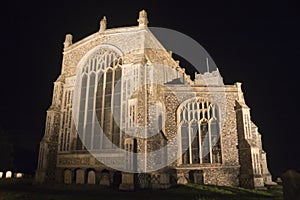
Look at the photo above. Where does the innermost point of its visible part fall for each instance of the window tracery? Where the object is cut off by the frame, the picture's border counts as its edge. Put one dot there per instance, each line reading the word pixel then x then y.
pixel 97 99
pixel 200 132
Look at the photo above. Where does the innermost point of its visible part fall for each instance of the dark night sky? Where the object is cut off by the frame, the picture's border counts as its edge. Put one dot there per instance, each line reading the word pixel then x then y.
pixel 255 43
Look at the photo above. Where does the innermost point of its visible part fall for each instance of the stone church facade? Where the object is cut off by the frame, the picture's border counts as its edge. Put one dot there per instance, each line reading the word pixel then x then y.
pixel 215 140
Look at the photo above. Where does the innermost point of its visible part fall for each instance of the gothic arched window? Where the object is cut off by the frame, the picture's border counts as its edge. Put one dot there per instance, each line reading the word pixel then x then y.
pixel 200 132
pixel 97 79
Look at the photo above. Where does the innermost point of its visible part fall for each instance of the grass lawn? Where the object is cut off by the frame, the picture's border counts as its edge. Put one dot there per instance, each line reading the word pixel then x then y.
pixel 22 189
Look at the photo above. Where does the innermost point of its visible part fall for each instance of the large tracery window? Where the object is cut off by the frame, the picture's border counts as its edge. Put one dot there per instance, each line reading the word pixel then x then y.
pixel 97 100
pixel 200 133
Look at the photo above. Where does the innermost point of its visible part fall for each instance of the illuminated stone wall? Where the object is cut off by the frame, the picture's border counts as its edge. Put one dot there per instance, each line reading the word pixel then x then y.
pixel 63 158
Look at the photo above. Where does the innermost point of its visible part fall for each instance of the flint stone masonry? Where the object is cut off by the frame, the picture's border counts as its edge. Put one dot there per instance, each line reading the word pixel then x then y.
pixel 127 182
pixel 68 176
pixel 72 151
pixel 80 176
pixel 105 179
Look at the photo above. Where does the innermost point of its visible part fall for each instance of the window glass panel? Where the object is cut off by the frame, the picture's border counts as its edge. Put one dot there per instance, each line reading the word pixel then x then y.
pixel 195 143
pixel 92 100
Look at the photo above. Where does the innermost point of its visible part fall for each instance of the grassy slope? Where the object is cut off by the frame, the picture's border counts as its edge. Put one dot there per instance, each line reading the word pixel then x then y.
pixel 24 190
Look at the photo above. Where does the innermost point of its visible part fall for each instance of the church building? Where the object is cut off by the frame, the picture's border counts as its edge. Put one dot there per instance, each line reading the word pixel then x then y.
pixel 125 114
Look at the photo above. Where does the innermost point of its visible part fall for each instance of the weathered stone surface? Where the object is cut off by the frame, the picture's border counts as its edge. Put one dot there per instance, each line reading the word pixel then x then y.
pixel 196 176
pixel 67 176
pixel 235 156
pixel 80 176
pixel 127 181
pixel 182 180
pixel 144 180
pixel 91 179
pixel 164 181
pixel 105 179
pixel 259 182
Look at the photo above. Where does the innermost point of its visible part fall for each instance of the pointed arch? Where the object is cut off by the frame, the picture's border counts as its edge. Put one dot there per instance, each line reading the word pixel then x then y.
pixel 95 79
pixel 199 128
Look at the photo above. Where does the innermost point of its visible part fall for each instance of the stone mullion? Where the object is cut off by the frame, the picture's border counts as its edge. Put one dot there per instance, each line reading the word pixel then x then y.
pixel 94 69
pixel 108 57
pixel 86 109
pixel 88 102
pixel 217 110
pixel 179 139
pixel 200 140
pixel 189 135
pixel 102 110
pixel 93 109
pixel 94 117
pixel 121 109
pixel 190 144
pixel 209 133
pixel 112 108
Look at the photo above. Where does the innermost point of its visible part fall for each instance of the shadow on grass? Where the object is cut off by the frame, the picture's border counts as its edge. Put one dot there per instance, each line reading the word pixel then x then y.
pixel 12 189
